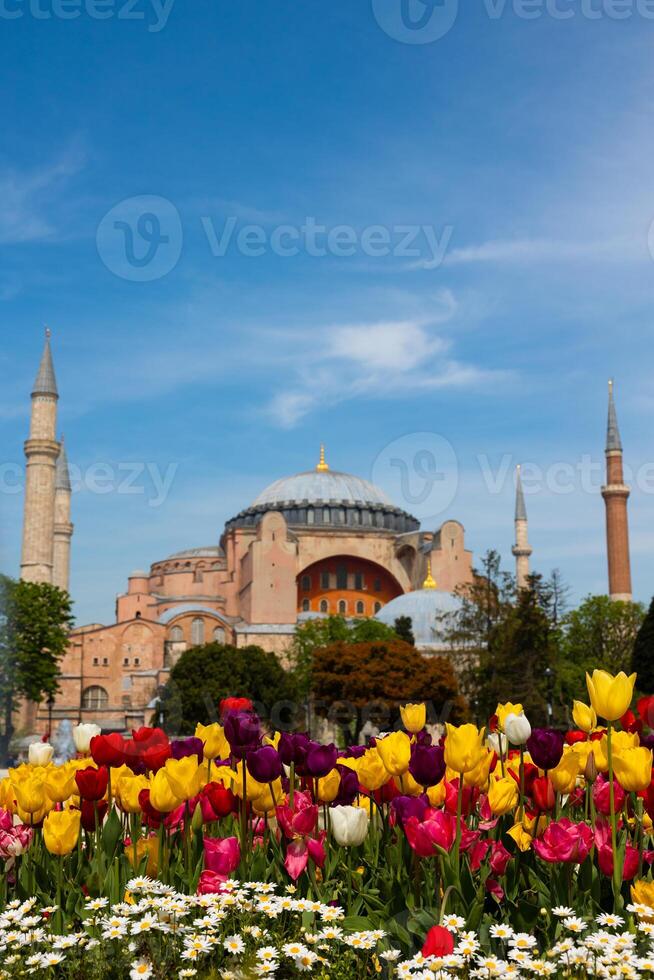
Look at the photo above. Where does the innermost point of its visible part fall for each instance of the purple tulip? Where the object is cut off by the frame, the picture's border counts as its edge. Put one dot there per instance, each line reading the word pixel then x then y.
pixel 183 747
pixel 354 751
pixel 320 760
pixel 427 764
pixel 409 806
pixel 545 746
pixel 264 764
pixel 349 788
pixel 243 732
pixel 293 747
pixel 647 740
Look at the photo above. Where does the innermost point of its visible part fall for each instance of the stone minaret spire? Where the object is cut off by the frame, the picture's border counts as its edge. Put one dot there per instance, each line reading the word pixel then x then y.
pixel 41 452
pixel 616 494
pixel 521 549
pixel 63 529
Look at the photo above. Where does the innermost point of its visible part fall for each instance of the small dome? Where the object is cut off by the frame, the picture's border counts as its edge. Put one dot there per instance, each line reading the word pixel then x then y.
pixel 315 487
pixel 211 551
pixel 424 607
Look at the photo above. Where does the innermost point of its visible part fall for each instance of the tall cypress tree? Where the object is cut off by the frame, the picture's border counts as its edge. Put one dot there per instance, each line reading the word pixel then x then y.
pixel 642 660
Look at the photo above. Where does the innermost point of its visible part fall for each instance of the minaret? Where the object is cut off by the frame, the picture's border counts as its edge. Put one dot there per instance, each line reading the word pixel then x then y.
pixel 63 529
pixel 41 452
pixel 521 549
pixel 616 494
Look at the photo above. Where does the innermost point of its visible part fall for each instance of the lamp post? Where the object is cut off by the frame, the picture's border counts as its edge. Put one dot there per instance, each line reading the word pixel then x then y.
pixel 51 702
pixel 549 678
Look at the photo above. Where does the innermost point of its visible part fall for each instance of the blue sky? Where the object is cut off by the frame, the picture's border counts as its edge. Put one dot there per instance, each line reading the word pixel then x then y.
pixel 512 156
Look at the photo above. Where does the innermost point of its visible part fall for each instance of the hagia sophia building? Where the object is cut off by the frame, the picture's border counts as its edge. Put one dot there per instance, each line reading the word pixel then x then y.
pixel 320 542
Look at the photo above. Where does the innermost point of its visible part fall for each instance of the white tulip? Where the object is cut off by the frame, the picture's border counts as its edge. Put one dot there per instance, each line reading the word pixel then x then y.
pixel 349 825
pixel 82 735
pixel 40 754
pixel 497 743
pixel 517 728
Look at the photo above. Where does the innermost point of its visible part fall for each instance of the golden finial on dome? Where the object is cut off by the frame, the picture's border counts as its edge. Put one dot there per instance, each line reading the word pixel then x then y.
pixel 430 581
pixel 322 466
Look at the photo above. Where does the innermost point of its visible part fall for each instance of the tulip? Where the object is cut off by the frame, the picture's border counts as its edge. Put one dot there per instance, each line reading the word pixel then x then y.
pixel 161 795
pixel 545 746
pixel 349 825
pixel 349 788
pixel 498 743
pixel 480 774
pixel 602 796
pixel 517 728
pixel 61 831
pixel 30 795
pixel 93 814
pixel 127 791
pixel 464 747
pixel 439 941
pixel 154 757
pixel 144 846
pixel 543 794
pixel 82 735
pixel 14 841
pixel 427 765
pixel 293 748
pixel 238 705
pixel 213 738
pixel 320 760
pixel 185 748
pixel 564 842
pixel 300 819
pixel 298 853
pixel 264 764
pixel 211 883
pixel 642 893
pixel 646 710
pixel 328 787
pixel 503 710
pixel 222 855
pixel 605 852
pixel 564 776
pixel 184 776
pixel 409 806
pixel 108 750
pixel 414 717
pixel 59 783
pixel 620 742
pixel 370 769
pixel 633 769
pixel 610 696
pixel 584 717
pixel 92 783
pixel 40 754
pixel 223 801
pixel 243 732
pixel 395 752
pixel 503 795
pixel 500 858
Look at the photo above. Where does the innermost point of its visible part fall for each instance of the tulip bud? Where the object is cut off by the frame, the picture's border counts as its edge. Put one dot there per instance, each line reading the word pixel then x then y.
pixel 197 821
pixel 590 771
pixel 82 735
pixel 40 754
pixel 498 743
pixel 584 717
pixel 517 729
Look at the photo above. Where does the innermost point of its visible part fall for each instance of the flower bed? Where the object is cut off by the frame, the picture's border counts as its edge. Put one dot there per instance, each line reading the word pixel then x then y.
pixel 243 853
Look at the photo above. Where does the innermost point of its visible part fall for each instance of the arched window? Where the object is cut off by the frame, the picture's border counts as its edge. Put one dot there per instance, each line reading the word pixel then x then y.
pixel 94 698
pixel 324 606
pixel 219 634
pixel 377 607
pixel 306 583
pixel 360 608
pixel 342 607
pixel 177 634
pixel 306 605
pixel 197 632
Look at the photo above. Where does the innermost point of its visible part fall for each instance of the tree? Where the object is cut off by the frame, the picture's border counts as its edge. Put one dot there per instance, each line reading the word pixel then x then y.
pixel 376 678
pixel 35 619
pixel 599 633
pixel 404 629
pixel 642 659
pixel 315 633
pixel 204 675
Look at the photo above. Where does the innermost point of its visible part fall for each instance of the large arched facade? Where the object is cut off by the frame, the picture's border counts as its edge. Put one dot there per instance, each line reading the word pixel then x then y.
pixel 345 585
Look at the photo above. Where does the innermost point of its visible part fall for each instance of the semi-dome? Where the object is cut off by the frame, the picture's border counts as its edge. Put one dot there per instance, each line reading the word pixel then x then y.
pixel 329 499
pixel 425 608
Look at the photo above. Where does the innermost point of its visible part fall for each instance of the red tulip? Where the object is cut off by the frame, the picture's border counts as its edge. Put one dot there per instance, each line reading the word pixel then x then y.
pixel 223 801
pixel 156 756
pixel 108 750
pixel 88 809
pixel 301 820
pixel 630 723
pixel 564 842
pixel 92 783
pixel 646 710
pixel 543 795
pixel 575 736
pixel 235 704
pixel 439 941
pixel 602 795
pixel 500 858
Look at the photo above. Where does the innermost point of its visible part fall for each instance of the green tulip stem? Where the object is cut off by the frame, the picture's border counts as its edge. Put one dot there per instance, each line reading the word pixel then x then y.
pixel 522 782
pixel 614 844
pixel 459 809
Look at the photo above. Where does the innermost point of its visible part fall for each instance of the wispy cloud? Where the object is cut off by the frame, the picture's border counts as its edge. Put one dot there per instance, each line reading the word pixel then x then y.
pixel 26 199
pixel 527 250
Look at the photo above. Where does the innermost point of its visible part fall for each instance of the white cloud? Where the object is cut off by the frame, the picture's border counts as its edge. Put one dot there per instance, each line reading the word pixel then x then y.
pixel 527 250
pixel 26 199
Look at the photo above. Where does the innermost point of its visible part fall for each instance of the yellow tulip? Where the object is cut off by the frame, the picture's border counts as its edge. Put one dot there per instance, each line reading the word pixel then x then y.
pixel 60 783
pixel 216 745
pixel 642 893
pixel 414 717
pixel 144 845
pixel 371 770
pixel 564 776
pixel 502 710
pixel 503 795
pixel 521 836
pixel 480 774
pixel 126 792
pixel 436 794
pixel 61 831
pixel 162 796
pixel 620 742
pixel 30 794
pixel 7 795
pixel 464 747
pixel 584 717
pixel 184 776
pixel 328 787
pixel 633 769
pixel 407 785
pixel 395 752
pixel 610 695
pixel 269 798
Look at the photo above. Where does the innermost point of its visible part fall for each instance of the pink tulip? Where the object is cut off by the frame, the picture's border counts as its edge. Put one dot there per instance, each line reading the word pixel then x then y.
pixel 301 820
pixel 500 858
pixel 6 820
pixel 15 842
pixel 564 841
pixel 601 795
pixel 211 883
pixel 298 853
pixel 436 829
pixel 222 854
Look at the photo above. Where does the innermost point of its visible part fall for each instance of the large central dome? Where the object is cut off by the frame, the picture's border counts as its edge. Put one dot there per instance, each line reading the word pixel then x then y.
pixel 329 499
pixel 322 487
